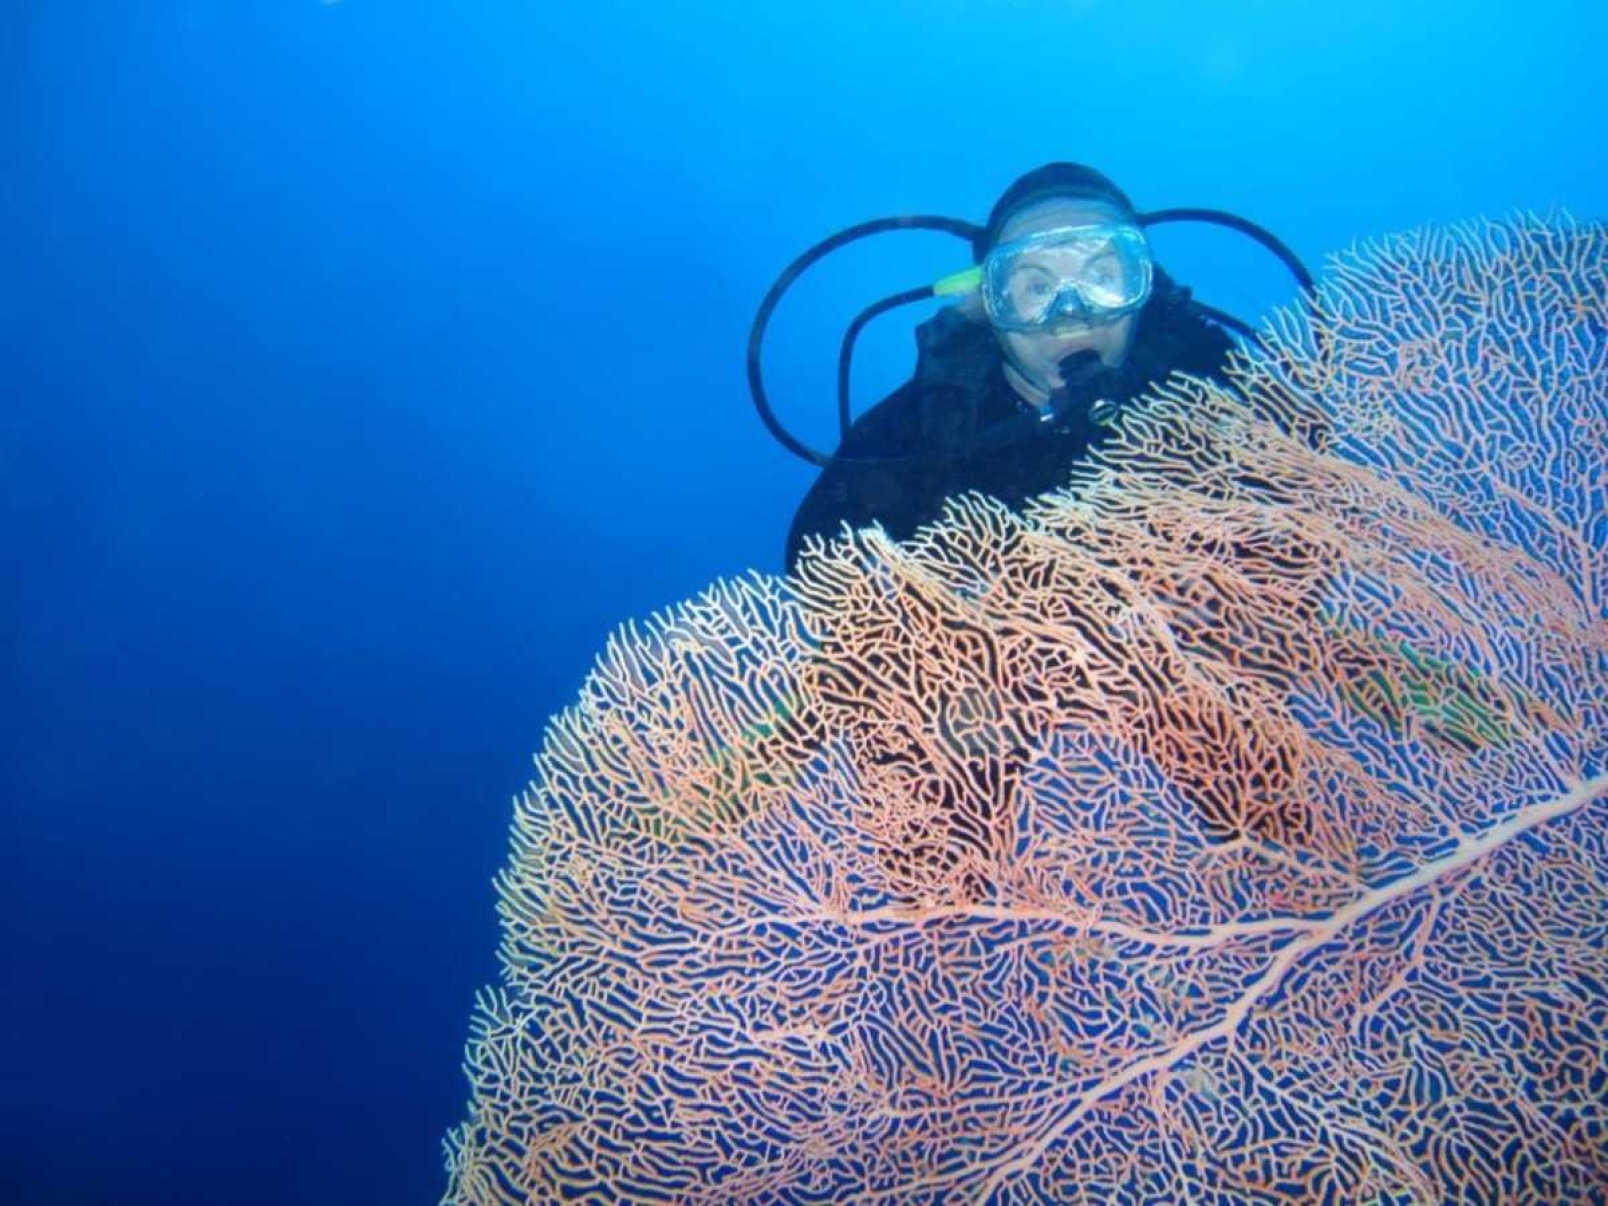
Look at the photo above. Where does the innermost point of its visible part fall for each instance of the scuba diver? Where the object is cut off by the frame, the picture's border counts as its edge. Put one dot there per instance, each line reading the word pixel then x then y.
pixel 1064 318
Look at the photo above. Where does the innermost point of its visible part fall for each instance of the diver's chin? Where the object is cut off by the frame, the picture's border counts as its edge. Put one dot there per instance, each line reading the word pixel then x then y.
pixel 1036 378
pixel 1031 387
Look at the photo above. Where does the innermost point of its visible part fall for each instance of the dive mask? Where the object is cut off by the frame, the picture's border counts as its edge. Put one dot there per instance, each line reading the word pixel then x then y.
pixel 1090 274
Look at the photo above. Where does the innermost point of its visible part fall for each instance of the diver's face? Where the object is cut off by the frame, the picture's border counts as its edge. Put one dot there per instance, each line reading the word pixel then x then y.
pixel 1037 354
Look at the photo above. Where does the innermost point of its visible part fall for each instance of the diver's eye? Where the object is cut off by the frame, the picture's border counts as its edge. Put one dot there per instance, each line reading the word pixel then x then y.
pixel 1103 270
pixel 1033 285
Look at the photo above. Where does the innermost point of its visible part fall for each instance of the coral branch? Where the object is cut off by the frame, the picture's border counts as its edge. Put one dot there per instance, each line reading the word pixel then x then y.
pixel 1227 826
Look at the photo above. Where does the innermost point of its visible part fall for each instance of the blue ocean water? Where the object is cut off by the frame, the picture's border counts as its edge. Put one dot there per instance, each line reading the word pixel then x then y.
pixel 363 364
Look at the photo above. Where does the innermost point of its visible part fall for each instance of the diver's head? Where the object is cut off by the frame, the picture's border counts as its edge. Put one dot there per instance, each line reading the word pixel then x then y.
pixel 1065 271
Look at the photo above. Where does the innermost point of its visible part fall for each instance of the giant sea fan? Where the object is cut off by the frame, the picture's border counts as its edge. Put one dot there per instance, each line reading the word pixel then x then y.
pixel 1228 827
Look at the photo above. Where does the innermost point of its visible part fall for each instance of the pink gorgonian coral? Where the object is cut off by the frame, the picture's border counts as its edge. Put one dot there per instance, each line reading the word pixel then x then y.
pixel 1230 826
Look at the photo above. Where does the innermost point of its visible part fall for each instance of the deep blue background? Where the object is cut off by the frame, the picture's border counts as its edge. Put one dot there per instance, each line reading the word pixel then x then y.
pixel 363 364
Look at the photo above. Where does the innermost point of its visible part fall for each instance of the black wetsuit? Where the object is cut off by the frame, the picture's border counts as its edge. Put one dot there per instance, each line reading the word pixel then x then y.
pixel 945 419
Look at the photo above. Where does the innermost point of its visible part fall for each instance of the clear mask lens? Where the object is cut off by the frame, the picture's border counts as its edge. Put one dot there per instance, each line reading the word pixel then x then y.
pixel 1086 273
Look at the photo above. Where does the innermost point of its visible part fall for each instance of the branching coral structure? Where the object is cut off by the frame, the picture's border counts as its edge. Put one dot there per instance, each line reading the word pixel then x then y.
pixel 1229 826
